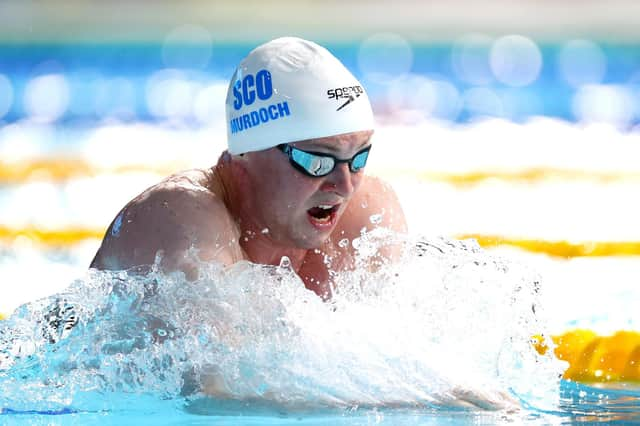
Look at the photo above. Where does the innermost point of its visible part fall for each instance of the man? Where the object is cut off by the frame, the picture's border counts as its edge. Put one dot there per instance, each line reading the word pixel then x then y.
pixel 291 183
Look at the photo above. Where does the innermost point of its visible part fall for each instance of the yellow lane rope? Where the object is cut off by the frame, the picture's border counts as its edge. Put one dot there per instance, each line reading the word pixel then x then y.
pixel 53 238
pixel 595 358
pixel 564 249
pixel 68 236
pixel 527 175
pixel 60 169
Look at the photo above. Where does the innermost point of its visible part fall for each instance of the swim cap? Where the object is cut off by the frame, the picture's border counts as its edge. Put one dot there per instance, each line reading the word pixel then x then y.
pixel 291 89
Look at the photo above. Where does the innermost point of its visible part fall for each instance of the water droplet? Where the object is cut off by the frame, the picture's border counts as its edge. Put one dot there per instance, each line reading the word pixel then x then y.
pixel 246 239
pixel 285 262
pixel 375 218
pixel 265 231
pixel 343 242
pixel 161 332
pixel 165 204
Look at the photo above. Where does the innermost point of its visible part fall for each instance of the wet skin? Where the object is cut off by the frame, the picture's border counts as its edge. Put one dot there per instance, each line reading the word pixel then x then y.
pixel 255 207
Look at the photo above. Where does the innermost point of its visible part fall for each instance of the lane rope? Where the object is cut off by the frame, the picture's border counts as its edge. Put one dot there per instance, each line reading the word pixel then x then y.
pixel 54 238
pixel 559 248
pixel 64 237
pixel 594 358
pixel 62 169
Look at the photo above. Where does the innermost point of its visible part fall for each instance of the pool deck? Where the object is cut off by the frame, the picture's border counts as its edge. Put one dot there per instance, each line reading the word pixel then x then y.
pixel 28 21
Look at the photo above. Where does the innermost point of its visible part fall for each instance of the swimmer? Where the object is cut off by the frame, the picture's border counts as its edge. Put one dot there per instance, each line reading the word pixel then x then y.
pixel 291 183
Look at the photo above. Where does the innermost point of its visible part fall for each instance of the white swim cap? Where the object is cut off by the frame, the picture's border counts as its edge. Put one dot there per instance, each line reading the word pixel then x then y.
pixel 291 89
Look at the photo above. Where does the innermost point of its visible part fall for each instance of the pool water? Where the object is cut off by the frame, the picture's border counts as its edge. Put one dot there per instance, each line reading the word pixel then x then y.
pixel 579 404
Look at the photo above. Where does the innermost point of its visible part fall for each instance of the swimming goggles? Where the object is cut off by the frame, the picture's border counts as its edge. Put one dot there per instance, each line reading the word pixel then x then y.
pixel 319 164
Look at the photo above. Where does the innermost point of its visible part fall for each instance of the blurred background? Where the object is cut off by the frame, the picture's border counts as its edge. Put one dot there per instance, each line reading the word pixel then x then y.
pixel 513 122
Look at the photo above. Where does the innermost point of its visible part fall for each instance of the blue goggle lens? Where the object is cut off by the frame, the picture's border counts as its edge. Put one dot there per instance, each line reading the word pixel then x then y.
pixel 313 164
pixel 316 164
pixel 359 161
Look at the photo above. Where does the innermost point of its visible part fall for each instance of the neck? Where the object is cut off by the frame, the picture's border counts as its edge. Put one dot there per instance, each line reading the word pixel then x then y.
pixel 263 250
pixel 259 247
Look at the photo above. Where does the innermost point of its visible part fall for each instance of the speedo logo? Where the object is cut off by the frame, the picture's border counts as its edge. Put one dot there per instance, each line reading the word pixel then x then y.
pixel 350 93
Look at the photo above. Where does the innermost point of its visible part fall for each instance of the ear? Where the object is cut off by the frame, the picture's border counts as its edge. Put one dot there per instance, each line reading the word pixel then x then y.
pixel 225 157
pixel 239 168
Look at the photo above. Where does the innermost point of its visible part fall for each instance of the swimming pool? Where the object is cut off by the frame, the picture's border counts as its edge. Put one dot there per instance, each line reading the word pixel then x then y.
pixel 348 356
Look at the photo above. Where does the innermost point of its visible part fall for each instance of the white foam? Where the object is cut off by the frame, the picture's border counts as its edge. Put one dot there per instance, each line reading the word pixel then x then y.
pixel 402 336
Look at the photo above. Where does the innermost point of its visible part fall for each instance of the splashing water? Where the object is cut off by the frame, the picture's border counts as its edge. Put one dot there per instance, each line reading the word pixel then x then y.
pixel 447 326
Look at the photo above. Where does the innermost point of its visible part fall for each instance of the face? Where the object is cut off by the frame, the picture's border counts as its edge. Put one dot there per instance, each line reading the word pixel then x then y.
pixel 299 210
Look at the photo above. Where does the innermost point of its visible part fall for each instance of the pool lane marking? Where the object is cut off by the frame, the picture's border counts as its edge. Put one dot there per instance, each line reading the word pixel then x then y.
pixel 63 169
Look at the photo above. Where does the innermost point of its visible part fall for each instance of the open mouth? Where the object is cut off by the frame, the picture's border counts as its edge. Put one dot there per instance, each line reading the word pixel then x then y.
pixel 323 214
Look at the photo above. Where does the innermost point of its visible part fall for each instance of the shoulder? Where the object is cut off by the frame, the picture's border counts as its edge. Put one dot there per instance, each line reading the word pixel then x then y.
pixel 375 204
pixel 173 216
pixel 185 195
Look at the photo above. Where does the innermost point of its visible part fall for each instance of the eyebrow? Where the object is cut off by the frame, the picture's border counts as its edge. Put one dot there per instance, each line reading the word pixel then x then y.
pixel 335 150
pixel 365 143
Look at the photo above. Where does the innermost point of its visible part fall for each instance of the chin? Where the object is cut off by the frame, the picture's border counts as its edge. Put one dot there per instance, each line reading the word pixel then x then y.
pixel 311 242
pixel 311 234
pixel 311 239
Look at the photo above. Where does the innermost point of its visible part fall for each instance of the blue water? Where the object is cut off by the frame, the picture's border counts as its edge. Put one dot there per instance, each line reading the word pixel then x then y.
pixel 579 404
pixel 83 64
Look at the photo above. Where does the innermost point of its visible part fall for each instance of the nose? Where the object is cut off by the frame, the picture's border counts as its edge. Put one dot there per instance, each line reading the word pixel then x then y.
pixel 340 181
